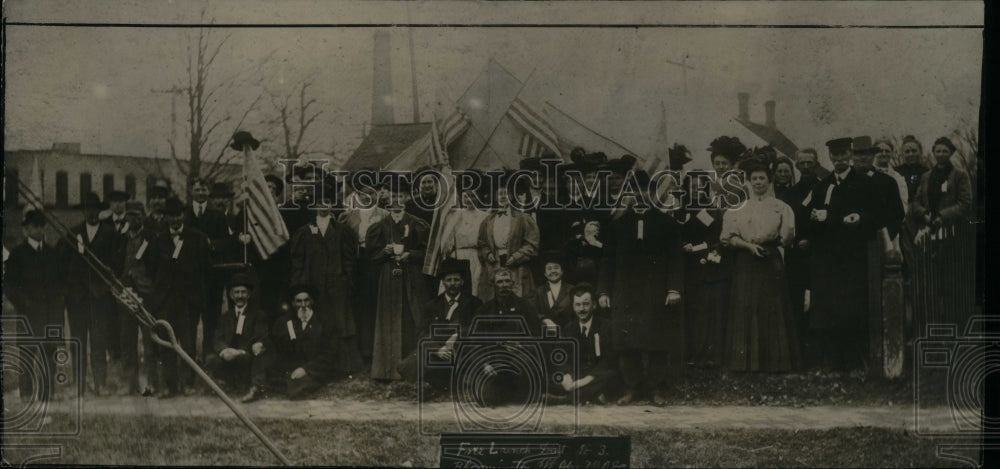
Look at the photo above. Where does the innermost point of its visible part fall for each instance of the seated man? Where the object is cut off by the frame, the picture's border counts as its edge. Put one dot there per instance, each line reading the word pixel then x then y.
pixel 596 357
pixel 552 300
pixel 452 307
pixel 238 352
pixel 504 384
pixel 304 346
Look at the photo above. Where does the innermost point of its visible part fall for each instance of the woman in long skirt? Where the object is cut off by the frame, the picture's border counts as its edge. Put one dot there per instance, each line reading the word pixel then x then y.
pixel 760 332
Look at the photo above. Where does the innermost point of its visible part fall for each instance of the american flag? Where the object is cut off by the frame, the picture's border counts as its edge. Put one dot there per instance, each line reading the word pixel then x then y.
pixel 439 156
pixel 266 227
pixel 538 136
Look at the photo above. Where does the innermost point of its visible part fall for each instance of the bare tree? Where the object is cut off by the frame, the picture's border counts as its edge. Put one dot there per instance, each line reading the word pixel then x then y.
pixel 207 143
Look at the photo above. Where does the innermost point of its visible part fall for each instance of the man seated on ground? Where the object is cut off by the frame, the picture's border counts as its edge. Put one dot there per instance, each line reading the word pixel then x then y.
pixel 453 307
pixel 499 318
pixel 304 346
pixel 552 300
pixel 596 357
pixel 238 355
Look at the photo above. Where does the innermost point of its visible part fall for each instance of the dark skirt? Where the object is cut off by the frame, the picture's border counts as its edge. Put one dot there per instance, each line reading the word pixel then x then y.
pixel 760 329
pixel 706 306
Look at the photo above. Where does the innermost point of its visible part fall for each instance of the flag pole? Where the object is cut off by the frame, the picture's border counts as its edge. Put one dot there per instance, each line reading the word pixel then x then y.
pixel 246 184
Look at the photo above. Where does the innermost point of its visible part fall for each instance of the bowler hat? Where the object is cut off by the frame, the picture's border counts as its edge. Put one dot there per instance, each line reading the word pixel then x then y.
pixel 243 138
pixel 222 190
pixel 119 196
pixel 452 266
pixel 173 207
pixel 91 202
pixel 241 279
pixel 33 217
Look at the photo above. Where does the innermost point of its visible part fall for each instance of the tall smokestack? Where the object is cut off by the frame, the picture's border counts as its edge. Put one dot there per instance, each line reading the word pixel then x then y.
pixel 382 112
pixel 744 105
pixel 769 114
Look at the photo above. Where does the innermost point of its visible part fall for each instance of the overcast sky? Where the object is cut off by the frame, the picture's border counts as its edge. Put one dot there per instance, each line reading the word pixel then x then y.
pixel 93 84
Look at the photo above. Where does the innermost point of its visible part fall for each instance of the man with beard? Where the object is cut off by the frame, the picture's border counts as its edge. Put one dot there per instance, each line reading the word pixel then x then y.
pixel 641 281
pixel 304 346
pixel 502 385
pixel 180 259
pixel 324 255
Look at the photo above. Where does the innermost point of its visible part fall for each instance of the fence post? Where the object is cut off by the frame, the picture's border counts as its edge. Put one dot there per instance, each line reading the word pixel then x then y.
pixel 874 248
pixel 893 315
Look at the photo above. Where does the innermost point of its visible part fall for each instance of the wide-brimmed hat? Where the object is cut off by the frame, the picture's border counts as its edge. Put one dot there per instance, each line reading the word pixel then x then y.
pixel 300 288
pixel 243 138
pixel 678 155
pixel 453 266
pixel 730 147
pixel 552 256
pixel 222 190
pixel 241 279
pixel 863 146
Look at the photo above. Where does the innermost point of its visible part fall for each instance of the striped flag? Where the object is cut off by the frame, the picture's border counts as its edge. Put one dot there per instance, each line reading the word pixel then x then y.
pixel 439 155
pixel 539 135
pixel 266 227
pixel 454 126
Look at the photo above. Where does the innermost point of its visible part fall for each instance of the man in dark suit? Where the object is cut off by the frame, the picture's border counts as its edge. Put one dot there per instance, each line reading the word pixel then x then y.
pixel 886 204
pixel 453 307
pixel 304 346
pixel 841 221
pixel 501 385
pixel 552 300
pixel 179 262
pixel 596 356
pixel 34 285
pixel 88 299
pixel 797 257
pixel 206 219
pixel 116 201
pixel 641 280
pixel 239 354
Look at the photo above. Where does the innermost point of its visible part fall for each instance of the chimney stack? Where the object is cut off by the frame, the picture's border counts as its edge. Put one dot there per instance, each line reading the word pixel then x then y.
pixel 744 105
pixel 382 112
pixel 769 116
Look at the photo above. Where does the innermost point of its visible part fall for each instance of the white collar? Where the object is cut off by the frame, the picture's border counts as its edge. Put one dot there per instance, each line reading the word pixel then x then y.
pixel 587 324
pixel 239 311
pixel 34 244
pixel 844 174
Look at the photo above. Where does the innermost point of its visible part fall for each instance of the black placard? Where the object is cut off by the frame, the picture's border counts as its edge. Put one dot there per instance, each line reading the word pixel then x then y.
pixel 534 450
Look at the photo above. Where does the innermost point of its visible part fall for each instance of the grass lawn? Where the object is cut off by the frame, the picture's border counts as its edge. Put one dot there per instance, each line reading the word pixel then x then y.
pixel 201 441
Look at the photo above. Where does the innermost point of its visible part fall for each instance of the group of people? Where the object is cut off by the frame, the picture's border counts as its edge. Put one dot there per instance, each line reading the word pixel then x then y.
pixel 759 273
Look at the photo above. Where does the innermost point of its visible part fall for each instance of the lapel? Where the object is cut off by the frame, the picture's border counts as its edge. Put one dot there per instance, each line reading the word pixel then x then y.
pixel 512 237
pixel 490 241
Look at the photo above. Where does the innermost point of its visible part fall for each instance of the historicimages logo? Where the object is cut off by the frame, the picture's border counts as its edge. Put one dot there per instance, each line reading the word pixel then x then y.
pixel 495 378
pixel 41 368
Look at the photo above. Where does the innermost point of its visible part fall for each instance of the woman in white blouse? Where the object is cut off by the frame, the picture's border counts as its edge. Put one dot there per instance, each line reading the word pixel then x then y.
pixel 760 331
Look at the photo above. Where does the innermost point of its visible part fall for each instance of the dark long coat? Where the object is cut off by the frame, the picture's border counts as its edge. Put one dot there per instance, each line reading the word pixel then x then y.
pixel 34 284
pixel 327 262
pixel 637 274
pixel 400 297
pixel 838 264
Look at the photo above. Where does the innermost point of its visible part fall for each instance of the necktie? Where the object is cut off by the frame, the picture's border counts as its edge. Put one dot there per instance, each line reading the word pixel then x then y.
pixel 552 299
pixel 40 245
pixel 584 331
pixel 452 301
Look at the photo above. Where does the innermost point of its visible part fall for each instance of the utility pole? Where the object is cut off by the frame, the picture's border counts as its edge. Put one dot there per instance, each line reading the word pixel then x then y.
pixel 684 68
